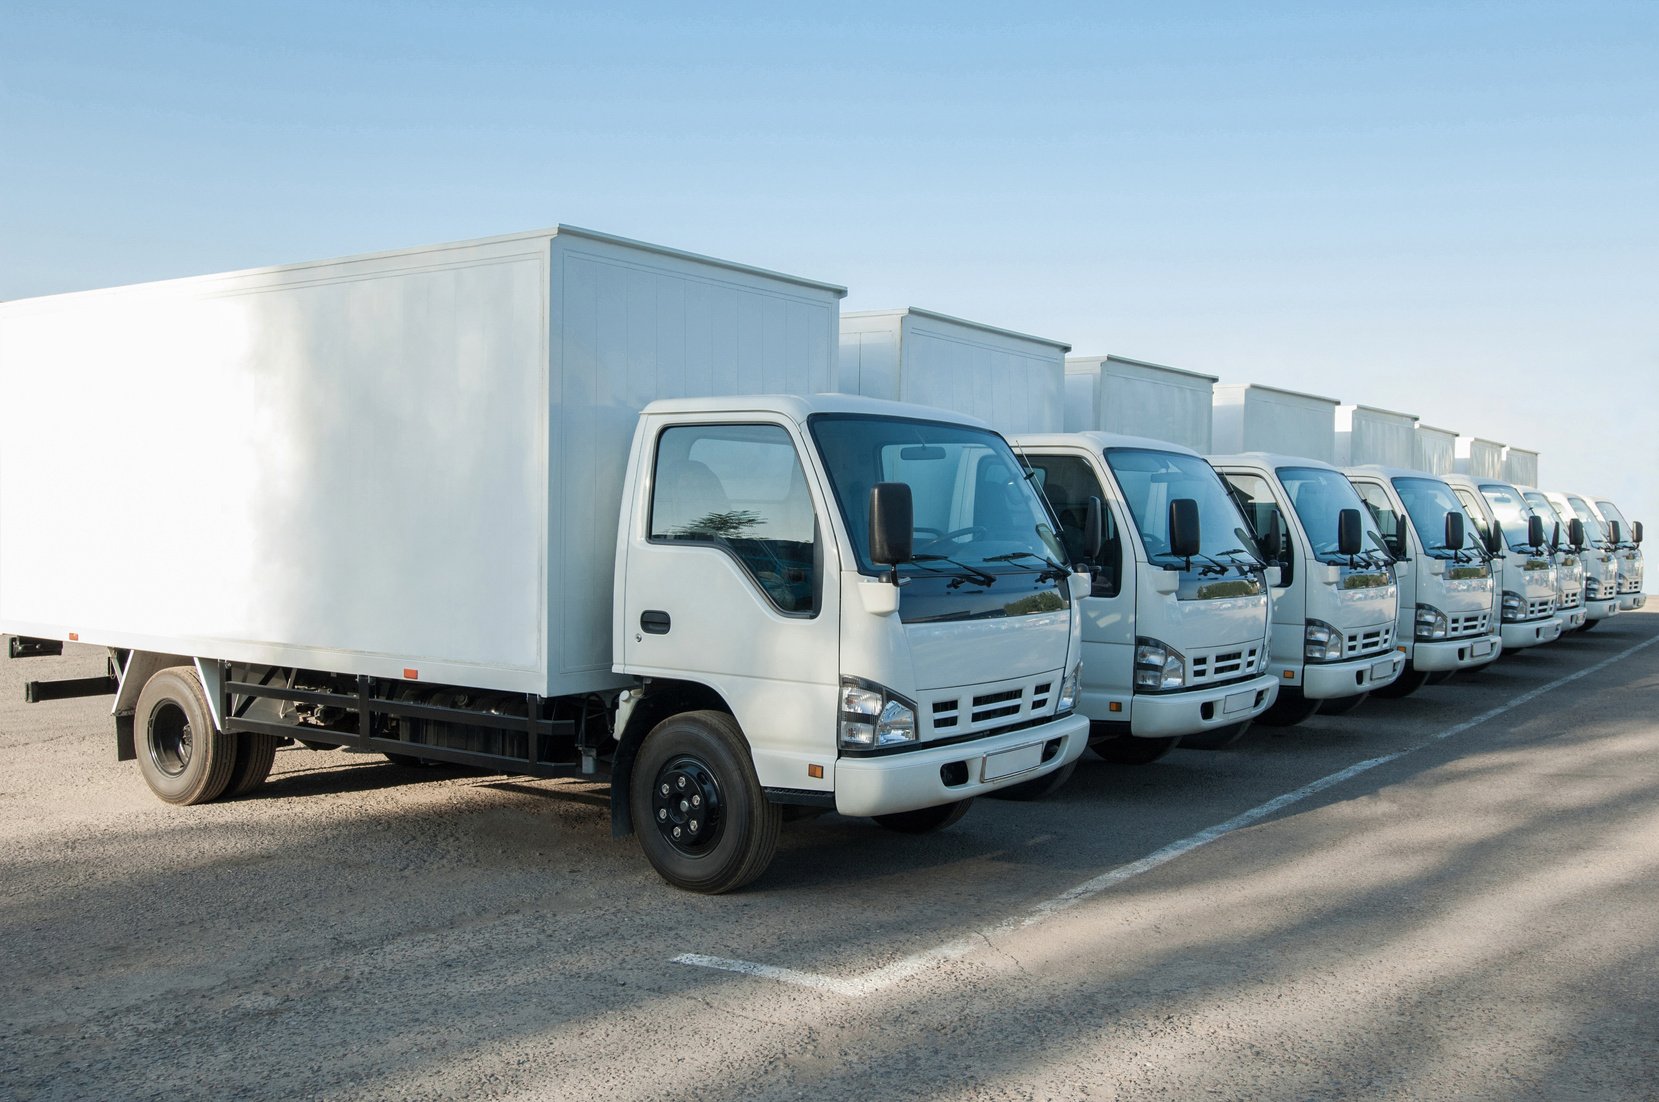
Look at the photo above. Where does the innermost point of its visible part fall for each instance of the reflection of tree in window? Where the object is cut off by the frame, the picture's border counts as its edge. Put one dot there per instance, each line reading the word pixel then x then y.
pixel 730 525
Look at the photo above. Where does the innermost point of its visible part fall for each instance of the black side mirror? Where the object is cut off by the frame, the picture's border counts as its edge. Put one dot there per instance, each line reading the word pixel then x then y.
pixel 1183 527
pixel 892 524
pixel 1349 532
pixel 1575 534
pixel 1535 530
pixel 1636 530
pixel 1613 526
pixel 1555 537
pixel 1094 529
pixel 1273 542
pixel 1454 530
pixel 1494 541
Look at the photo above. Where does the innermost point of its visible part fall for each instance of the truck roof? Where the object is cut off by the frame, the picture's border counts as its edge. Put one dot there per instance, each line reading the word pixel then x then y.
pixel 1097 440
pixel 799 407
pixel 1267 459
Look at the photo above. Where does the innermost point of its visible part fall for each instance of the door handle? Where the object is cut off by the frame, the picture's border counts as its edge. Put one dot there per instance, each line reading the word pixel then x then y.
pixel 654 622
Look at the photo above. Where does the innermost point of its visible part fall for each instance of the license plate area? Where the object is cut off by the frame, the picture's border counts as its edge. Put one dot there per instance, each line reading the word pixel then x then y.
pixel 1382 669
pixel 1482 648
pixel 1006 763
pixel 1238 702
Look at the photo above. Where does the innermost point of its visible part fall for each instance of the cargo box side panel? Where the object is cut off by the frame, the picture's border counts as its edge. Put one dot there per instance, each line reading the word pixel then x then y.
pixel 339 466
pixel 1141 400
pixel 1435 450
pixel 1376 436
pixel 1014 385
pixel 1289 423
pixel 631 326
pixel 869 356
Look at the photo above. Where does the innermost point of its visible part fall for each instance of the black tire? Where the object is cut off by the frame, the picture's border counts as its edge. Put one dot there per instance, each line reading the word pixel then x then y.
pixel 1037 788
pixel 182 756
pixel 711 829
pixel 1587 625
pixel 255 754
pixel 1217 738
pixel 1291 708
pixel 408 761
pixel 1342 705
pixel 926 820
pixel 1440 677
pixel 1131 749
pixel 1408 682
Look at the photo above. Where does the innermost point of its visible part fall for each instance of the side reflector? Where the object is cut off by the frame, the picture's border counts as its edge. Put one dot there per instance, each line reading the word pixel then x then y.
pixel 1290 675
pixel 816 771
pixel 74 636
pixel 1115 706
pixel 411 675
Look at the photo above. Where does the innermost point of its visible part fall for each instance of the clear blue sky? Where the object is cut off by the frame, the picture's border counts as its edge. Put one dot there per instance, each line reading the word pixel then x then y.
pixel 1449 209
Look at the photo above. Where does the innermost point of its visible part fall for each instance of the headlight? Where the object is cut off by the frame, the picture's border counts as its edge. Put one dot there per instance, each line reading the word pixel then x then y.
pixel 1068 689
pixel 1321 642
pixel 1514 606
pixel 873 716
pixel 1431 623
pixel 1158 666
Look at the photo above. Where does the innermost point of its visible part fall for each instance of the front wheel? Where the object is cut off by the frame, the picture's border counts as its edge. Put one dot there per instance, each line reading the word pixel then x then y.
pixel 1045 785
pixel 183 757
pixel 1216 738
pixel 1132 749
pixel 1408 682
pixel 1291 708
pixel 1588 624
pixel 1342 705
pixel 925 820
pixel 698 808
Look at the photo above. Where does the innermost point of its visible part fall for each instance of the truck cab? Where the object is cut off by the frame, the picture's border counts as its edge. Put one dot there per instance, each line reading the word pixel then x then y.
pixel 1175 634
pixel 1527 580
pixel 1566 540
pixel 1445 575
pixel 1336 601
pixel 1627 545
pixel 1600 558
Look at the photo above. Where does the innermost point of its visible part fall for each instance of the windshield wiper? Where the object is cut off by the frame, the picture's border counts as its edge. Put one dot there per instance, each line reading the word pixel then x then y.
pixel 969 573
pixel 1054 570
pixel 1244 568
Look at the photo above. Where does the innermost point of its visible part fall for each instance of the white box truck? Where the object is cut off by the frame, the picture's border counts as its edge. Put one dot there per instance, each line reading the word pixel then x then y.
pixel 1335 601
pixel 1479 458
pixel 1567 541
pixel 1249 417
pixel 1599 559
pixel 1012 380
pixel 552 503
pixel 1366 436
pixel 1434 450
pixel 1446 623
pixel 1115 394
pixel 1626 537
pixel 1516 536
pixel 1520 466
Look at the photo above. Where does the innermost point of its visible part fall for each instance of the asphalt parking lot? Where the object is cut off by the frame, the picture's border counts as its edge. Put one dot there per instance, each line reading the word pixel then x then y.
pixel 1454 894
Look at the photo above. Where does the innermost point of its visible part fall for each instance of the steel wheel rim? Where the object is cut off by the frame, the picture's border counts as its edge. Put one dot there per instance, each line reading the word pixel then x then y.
pixel 686 806
pixel 170 739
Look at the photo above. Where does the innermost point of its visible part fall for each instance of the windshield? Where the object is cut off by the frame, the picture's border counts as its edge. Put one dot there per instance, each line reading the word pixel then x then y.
pixel 976 513
pixel 1594 532
pixel 1319 496
pixel 1555 525
pixel 1512 513
pixel 1610 513
pixel 1151 479
pixel 1428 501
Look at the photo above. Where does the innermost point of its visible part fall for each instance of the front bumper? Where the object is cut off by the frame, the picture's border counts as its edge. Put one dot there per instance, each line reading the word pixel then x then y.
pixel 1629 601
pixel 1334 680
pixel 1164 715
pixel 1438 655
pixel 1530 633
pixel 914 779
pixel 1571 618
pixel 1600 610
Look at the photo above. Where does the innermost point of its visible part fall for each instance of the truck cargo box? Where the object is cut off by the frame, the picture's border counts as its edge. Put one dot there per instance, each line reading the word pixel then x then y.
pixel 1479 458
pixel 1520 466
pixel 1136 398
pixel 1249 417
pixel 404 464
pixel 1435 450
pixel 1012 381
pixel 1366 434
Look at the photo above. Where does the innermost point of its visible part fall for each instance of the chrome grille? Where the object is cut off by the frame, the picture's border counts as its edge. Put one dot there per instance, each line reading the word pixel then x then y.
pixel 1540 606
pixel 1368 640
pixel 1467 623
pixel 1222 664
pixel 1571 598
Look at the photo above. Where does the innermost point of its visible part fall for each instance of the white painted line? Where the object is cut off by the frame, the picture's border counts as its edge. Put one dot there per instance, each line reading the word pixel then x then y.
pixel 870 982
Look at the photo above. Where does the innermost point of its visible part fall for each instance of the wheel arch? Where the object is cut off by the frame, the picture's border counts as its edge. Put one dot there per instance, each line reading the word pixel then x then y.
pixel 653 703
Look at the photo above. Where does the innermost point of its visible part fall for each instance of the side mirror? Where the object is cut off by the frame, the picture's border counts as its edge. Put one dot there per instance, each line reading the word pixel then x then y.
pixel 1613 526
pixel 1094 529
pixel 892 524
pixel 1396 540
pixel 1183 527
pixel 1454 530
pixel 1494 541
pixel 1535 530
pixel 1575 534
pixel 1636 530
pixel 1555 536
pixel 1273 543
pixel 1349 533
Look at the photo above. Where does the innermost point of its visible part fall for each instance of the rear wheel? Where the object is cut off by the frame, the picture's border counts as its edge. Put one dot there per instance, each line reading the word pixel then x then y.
pixel 255 754
pixel 182 756
pixel 1291 708
pixel 701 816
pixel 1218 738
pixel 1131 749
pixel 925 820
